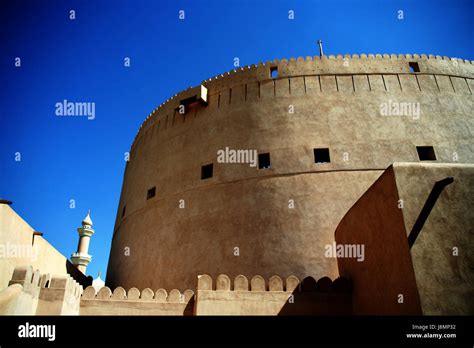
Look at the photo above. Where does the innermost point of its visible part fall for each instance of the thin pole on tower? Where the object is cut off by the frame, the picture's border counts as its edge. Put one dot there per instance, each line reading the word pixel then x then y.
pixel 320 43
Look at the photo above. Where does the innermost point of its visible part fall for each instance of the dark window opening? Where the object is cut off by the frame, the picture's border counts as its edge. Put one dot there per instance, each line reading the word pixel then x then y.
pixel 151 193
pixel 414 67
pixel 321 155
pixel 123 210
pixel 426 153
pixel 274 72
pixel 206 171
pixel 263 161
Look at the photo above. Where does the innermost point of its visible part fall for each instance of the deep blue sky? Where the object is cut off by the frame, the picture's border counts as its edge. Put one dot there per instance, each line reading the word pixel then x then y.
pixel 82 60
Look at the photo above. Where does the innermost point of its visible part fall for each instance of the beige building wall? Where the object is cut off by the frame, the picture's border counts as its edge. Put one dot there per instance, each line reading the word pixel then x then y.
pixel 336 106
pixel 443 257
pixel 385 272
pixel 19 247
pixel 436 275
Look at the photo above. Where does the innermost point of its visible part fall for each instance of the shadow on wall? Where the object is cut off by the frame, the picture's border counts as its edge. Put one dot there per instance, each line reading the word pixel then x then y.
pixel 384 283
pixel 77 275
pixel 323 297
pixel 189 309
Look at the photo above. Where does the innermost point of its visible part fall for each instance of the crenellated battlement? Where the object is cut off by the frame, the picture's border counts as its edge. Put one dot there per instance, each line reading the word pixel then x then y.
pixel 274 296
pixel 254 82
pixel 134 294
pixel 241 283
pixel 136 302
pixel 34 282
pixel 275 283
pixel 30 292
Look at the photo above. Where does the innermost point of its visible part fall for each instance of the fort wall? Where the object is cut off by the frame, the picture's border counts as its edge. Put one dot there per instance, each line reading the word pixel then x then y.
pixel 337 105
pixel 136 302
pixel 32 293
pixel 274 296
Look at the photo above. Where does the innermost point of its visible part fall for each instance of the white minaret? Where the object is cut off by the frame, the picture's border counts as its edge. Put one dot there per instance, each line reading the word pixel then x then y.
pixel 81 258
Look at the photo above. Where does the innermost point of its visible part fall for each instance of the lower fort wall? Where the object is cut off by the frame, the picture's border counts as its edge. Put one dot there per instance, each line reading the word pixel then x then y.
pixel 136 302
pixel 31 293
pixel 272 297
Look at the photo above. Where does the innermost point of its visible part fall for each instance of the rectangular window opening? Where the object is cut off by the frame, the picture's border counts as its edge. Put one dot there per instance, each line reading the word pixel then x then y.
pixel 426 153
pixel 264 161
pixel 321 155
pixel 151 193
pixel 123 210
pixel 414 67
pixel 274 72
pixel 206 171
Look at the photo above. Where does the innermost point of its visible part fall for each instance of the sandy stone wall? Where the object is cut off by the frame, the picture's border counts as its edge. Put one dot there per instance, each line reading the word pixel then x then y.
pixel 442 255
pixel 22 248
pixel 384 280
pixel 435 276
pixel 136 302
pixel 34 293
pixel 274 296
pixel 337 105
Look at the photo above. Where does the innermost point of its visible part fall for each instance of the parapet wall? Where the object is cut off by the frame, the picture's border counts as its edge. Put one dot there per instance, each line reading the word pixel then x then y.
pixel 31 293
pixel 272 297
pixel 136 302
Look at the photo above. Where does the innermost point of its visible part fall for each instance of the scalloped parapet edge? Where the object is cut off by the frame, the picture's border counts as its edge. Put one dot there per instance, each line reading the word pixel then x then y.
pixel 274 283
pixel 135 295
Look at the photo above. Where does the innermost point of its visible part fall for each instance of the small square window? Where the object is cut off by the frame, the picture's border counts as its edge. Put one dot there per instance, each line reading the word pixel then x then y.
pixel 151 193
pixel 123 210
pixel 274 72
pixel 426 153
pixel 414 67
pixel 264 161
pixel 321 155
pixel 206 171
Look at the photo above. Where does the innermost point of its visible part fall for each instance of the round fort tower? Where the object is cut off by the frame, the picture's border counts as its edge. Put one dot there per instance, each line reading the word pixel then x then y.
pixel 329 125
